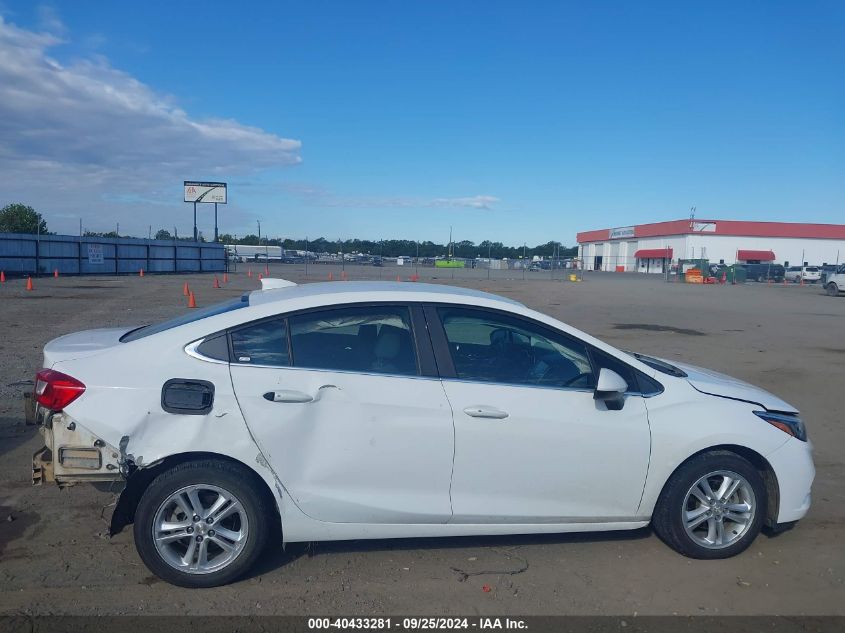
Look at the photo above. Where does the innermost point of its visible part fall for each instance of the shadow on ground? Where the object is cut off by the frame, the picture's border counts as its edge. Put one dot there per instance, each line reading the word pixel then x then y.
pixel 276 557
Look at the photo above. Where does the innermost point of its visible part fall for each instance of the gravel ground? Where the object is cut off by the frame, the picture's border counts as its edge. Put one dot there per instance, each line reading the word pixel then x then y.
pixel 55 557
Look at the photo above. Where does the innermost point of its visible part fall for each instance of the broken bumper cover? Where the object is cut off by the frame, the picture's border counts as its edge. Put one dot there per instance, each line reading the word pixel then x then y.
pixel 71 454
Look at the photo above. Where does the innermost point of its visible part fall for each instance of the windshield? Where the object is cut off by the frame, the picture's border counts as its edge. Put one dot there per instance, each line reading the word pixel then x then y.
pixel 190 317
pixel 660 365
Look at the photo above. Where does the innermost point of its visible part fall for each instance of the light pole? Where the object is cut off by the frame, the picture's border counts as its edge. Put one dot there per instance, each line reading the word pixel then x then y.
pixel 489 257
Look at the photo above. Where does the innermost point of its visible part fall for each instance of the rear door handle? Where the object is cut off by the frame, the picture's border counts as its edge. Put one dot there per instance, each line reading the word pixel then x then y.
pixel 484 411
pixel 288 395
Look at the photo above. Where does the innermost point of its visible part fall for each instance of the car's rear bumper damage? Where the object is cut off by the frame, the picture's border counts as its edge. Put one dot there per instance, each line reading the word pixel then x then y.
pixel 71 454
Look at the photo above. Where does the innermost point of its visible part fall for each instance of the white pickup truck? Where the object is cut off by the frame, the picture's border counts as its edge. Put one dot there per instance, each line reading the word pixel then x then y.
pixel 834 282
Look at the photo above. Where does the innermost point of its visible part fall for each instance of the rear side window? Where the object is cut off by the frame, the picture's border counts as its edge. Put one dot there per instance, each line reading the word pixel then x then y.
pixel 366 339
pixel 263 343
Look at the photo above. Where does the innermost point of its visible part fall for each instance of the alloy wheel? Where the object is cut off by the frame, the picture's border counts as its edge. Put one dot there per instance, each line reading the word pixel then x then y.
pixel 200 529
pixel 719 509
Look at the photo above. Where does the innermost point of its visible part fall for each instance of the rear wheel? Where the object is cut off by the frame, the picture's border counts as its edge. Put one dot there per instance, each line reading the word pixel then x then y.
pixel 202 524
pixel 832 289
pixel 712 507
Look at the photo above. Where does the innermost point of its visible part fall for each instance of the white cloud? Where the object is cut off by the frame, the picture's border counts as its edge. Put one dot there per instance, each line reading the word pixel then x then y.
pixel 49 20
pixel 74 138
pixel 321 197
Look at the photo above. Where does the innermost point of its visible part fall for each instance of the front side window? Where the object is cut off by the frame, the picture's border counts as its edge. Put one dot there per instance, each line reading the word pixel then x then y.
pixel 493 347
pixel 366 339
pixel 262 343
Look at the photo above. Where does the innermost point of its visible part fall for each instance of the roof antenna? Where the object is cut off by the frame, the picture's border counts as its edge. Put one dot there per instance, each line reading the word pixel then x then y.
pixel 691 217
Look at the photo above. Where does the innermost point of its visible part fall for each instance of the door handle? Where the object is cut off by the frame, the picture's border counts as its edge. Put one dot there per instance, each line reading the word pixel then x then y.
pixel 288 395
pixel 484 411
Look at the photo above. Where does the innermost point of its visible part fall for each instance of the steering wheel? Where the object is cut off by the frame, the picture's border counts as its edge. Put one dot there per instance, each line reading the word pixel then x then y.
pixel 548 375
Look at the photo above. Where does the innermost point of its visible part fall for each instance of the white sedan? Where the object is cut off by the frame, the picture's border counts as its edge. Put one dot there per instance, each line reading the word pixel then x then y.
pixel 379 410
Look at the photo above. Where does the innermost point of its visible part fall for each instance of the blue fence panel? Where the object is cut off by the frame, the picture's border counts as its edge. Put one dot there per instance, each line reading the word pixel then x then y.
pixel 30 254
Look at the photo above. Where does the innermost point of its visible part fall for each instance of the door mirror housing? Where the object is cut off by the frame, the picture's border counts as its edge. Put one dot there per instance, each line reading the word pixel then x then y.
pixel 611 389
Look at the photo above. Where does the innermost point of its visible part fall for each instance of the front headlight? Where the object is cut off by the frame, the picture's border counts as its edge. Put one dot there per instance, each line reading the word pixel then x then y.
pixel 786 422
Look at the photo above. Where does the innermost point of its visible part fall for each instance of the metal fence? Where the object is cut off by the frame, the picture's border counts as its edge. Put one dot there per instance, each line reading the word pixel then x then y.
pixel 25 254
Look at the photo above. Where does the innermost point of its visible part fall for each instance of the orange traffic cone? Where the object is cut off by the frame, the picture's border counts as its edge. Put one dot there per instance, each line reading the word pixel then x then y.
pixel 225 278
pixel 216 282
pixel 398 278
pixel 192 303
pixel 141 273
pixel 260 276
pixel 344 276
pixel 249 272
pixel 2 277
pixel 331 276
pixel 266 270
pixel 56 273
pixel 29 285
pixel 186 291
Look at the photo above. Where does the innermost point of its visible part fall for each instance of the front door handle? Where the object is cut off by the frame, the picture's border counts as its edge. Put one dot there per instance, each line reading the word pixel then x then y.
pixel 484 411
pixel 288 395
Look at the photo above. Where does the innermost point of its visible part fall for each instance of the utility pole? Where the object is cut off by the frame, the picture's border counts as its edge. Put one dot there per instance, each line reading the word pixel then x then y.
pixel 489 259
pixel 523 261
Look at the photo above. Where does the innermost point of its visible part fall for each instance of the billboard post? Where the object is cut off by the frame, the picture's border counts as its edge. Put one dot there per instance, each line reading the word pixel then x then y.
pixel 209 192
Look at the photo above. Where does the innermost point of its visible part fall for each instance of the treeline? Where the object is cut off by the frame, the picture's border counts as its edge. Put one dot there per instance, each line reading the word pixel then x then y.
pixel 20 218
pixel 394 248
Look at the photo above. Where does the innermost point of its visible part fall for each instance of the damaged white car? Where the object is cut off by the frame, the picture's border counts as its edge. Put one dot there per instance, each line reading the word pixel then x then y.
pixel 378 410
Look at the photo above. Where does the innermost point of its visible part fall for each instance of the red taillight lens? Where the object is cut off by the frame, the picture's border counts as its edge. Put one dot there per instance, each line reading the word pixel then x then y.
pixel 56 390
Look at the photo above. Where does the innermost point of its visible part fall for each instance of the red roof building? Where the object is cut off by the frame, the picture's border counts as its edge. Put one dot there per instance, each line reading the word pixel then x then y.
pixel 657 246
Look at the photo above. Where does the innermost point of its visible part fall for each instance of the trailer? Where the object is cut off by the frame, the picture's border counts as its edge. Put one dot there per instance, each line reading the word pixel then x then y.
pixel 243 253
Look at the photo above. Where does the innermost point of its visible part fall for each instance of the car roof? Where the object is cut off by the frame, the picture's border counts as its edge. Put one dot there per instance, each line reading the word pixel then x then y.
pixel 373 291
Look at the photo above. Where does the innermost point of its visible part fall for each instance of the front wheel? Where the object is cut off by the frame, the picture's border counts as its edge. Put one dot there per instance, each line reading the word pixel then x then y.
pixel 202 524
pixel 712 507
pixel 832 289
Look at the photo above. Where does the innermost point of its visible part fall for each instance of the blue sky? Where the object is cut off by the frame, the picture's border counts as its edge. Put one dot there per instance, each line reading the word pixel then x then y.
pixel 509 121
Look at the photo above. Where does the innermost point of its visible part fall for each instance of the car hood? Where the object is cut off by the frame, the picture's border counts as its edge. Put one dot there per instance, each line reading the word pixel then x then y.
pixel 80 344
pixel 716 384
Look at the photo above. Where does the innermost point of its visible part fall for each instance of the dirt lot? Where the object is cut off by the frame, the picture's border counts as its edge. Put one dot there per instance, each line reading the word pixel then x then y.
pixel 56 558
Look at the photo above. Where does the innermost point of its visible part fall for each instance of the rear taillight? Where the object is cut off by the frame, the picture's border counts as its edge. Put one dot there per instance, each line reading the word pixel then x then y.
pixel 55 390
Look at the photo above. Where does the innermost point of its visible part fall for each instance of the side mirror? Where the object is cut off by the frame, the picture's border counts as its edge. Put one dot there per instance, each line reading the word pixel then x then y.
pixel 611 389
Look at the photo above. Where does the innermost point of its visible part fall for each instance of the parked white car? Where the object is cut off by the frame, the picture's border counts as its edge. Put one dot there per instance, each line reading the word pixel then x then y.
pixel 381 410
pixel 810 274
pixel 834 282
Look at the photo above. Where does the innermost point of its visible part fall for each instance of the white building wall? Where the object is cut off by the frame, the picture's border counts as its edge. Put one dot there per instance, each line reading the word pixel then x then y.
pixel 715 248
pixel 725 247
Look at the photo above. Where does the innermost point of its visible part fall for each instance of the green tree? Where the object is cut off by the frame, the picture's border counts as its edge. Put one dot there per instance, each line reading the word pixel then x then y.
pixel 21 218
pixel 163 234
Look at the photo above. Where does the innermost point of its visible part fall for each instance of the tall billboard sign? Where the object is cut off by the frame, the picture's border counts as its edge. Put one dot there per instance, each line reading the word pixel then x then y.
pixel 205 192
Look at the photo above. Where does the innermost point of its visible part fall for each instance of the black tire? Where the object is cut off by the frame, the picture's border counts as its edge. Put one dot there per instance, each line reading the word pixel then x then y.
pixel 243 484
pixel 832 289
pixel 667 519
